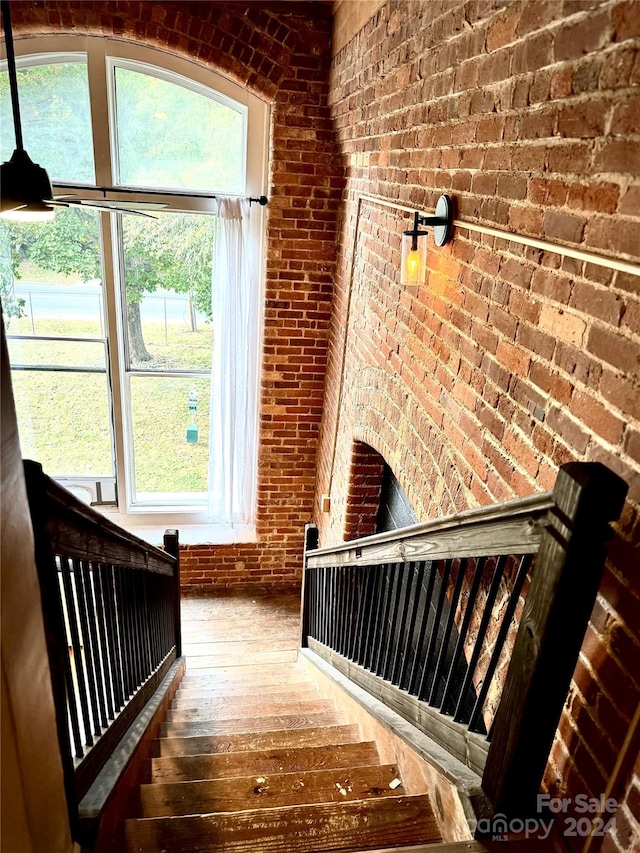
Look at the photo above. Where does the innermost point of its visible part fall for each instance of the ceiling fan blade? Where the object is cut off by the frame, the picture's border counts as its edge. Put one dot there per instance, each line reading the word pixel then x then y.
pixel 99 206
pixel 125 205
pixel 115 204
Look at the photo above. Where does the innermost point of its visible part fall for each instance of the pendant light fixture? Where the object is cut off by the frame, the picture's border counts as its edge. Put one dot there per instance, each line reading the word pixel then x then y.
pixel 25 188
pixel 414 251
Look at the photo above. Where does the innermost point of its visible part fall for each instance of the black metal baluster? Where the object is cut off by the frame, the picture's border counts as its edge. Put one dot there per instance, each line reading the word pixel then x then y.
pixel 382 625
pixel 111 624
pixel 444 647
pixel 331 604
pixel 146 578
pixel 350 610
pixel 101 619
pixel 341 610
pixel 498 570
pixel 78 665
pixel 409 573
pixel 476 724
pixel 136 640
pixel 154 628
pixel 413 599
pixel 435 633
pixel 449 699
pixel 416 674
pixel 376 617
pixel 344 610
pixel 365 612
pixel 322 603
pixel 316 603
pixel 70 684
pixel 126 655
pixel 86 573
pixel 91 683
pixel 392 622
pixel 358 574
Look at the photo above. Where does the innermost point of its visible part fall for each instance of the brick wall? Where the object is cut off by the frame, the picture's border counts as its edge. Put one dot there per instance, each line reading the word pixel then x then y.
pixel 364 489
pixel 512 359
pixel 283 57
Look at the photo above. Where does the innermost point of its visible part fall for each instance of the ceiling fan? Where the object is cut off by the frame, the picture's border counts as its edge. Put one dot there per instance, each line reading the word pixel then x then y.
pixel 26 194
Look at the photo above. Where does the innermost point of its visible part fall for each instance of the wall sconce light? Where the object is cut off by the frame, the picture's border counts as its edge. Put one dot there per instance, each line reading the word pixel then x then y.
pixel 414 250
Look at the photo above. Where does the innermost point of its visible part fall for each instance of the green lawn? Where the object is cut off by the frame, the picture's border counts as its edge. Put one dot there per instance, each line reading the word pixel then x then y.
pixel 64 418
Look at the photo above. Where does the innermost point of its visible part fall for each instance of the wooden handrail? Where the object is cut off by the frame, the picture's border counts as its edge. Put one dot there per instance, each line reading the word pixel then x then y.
pixel 111 610
pixel 508 528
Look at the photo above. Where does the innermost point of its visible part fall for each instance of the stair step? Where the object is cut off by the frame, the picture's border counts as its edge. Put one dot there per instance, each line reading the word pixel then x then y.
pixel 240 648
pixel 198 698
pixel 253 724
pixel 259 709
pixel 213 744
pixel 224 660
pixel 292 829
pixel 267 791
pixel 248 674
pixel 188 768
pixel 226 687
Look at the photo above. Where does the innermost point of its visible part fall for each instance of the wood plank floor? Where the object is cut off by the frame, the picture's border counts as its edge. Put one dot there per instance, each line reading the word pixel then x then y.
pixel 254 759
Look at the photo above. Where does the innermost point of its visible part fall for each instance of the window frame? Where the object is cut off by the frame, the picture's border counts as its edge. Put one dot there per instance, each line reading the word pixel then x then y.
pixel 103 56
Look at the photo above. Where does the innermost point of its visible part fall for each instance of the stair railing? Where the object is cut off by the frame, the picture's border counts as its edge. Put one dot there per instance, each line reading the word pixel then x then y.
pixel 470 626
pixel 111 608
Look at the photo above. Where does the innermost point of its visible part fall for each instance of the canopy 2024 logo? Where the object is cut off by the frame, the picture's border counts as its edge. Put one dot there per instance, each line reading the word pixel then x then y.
pixel 589 816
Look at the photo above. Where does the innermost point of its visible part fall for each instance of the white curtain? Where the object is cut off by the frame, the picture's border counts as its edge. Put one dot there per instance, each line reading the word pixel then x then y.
pixel 235 307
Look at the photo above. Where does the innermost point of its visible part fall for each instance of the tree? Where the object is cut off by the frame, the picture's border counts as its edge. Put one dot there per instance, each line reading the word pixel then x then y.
pixel 172 252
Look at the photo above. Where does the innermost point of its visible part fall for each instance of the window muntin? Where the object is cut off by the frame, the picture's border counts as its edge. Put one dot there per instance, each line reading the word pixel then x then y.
pixel 173 136
pixel 102 56
pixel 57 343
pixel 56 117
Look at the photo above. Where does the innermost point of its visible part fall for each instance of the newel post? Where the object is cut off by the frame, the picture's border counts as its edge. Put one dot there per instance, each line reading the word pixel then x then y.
pixel 310 544
pixel 172 546
pixel 565 580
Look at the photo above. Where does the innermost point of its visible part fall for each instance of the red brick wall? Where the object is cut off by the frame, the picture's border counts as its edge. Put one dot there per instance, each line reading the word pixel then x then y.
pixel 364 488
pixel 283 57
pixel 511 360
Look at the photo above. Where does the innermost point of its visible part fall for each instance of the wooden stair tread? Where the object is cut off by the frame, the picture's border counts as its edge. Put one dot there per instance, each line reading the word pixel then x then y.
pixel 268 791
pixel 253 724
pixel 241 742
pixel 186 768
pixel 240 648
pixel 227 687
pixel 247 698
pixel 226 659
pixel 242 670
pixel 290 829
pixel 260 709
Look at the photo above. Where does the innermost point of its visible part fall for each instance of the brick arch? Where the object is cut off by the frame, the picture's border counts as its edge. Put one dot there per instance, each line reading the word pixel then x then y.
pixel 363 492
pixel 251 46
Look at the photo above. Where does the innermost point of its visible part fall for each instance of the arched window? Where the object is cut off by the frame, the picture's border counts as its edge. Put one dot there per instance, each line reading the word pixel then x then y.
pixel 109 314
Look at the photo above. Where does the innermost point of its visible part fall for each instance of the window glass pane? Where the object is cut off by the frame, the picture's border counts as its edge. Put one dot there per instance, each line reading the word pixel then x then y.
pixel 50 276
pixel 167 276
pixel 56 119
pixel 25 351
pixel 172 137
pixel 170 437
pixel 64 422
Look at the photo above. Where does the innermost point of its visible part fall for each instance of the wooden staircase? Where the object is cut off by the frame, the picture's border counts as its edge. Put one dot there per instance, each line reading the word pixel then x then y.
pixel 254 760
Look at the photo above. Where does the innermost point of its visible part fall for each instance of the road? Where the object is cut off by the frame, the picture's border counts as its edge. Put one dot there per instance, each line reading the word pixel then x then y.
pixel 84 302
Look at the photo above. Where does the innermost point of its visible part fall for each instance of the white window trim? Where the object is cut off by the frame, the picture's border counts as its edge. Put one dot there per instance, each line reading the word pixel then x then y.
pixel 102 56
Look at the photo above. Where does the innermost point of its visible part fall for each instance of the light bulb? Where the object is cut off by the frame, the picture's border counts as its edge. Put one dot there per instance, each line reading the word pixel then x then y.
pixel 413 263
